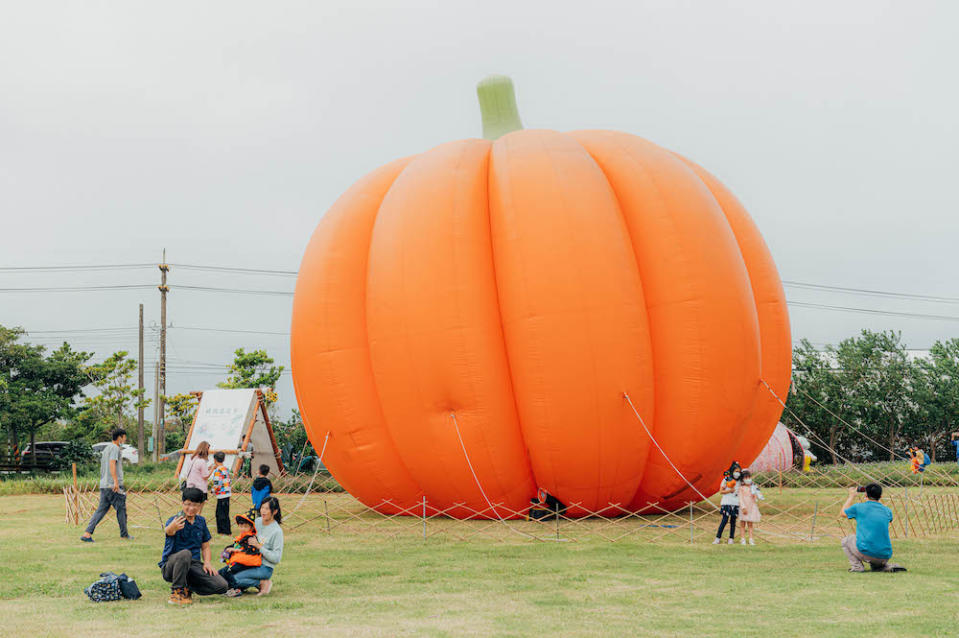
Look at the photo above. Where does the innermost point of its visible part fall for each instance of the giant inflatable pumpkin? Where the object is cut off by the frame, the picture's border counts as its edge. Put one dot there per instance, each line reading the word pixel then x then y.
pixel 468 323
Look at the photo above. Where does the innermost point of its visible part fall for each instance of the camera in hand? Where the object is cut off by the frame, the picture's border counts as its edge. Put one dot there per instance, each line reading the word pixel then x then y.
pixel 861 488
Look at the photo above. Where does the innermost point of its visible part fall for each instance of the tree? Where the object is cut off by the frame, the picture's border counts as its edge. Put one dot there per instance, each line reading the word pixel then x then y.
pixel 254 369
pixel 874 374
pixel 867 382
pixel 935 395
pixel 36 390
pixel 815 384
pixel 116 397
pixel 292 440
pixel 180 410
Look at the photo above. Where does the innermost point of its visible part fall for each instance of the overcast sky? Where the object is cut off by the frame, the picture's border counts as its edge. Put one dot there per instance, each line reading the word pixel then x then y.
pixel 222 131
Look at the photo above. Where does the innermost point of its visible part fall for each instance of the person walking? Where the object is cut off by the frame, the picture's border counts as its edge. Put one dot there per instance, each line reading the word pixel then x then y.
pixel 112 492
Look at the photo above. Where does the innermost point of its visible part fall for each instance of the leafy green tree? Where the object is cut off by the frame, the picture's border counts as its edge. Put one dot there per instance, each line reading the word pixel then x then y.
pixel 292 440
pixel 36 390
pixel 935 396
pixel 815 389
pixel 254 369
pixel 116 397
pixel 874 375
pixel 866 381
pixel 180 409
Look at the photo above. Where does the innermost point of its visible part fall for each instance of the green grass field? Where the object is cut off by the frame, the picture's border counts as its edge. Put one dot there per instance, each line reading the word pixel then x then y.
pixel 363 585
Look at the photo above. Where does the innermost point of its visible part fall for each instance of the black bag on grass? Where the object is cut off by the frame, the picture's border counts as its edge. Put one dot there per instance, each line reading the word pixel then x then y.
pixel 111 587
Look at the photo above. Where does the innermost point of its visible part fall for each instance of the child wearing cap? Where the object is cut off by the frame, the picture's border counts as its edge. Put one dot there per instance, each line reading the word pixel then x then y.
pixel 240 555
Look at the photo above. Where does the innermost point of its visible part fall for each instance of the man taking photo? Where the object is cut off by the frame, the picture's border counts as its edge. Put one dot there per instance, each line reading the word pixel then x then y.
pixel 186 557
pixel 871 543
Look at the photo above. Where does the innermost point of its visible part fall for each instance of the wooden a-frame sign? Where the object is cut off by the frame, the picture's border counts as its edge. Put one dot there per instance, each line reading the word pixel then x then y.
pixel 234 422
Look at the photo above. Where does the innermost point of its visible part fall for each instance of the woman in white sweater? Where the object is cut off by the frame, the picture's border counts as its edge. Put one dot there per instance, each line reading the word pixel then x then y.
pixel 269 540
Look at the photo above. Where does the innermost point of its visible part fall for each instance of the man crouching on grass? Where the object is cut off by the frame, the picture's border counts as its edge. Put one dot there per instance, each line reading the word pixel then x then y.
pixel 186 553
pixel 871 543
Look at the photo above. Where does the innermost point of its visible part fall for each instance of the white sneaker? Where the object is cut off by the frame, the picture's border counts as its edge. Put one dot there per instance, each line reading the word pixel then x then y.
pixel 716 541
pixel 731 541
pixel 752 542
pixel 742 541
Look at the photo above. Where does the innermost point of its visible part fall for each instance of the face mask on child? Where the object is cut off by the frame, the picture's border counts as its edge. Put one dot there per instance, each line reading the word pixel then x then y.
pixel 735 475
pixel 748 481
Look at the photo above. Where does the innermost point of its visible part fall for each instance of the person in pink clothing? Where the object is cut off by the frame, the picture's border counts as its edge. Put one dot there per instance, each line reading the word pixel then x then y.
pixel 198 475
pixel 749 497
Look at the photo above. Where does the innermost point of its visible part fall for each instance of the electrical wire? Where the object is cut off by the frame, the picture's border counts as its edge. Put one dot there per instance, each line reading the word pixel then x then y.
pixel 230 290
pixel 867 292
pixel 81 288
pixel 80 267
pixel 869 311
pixel 236 269
pixel 237 330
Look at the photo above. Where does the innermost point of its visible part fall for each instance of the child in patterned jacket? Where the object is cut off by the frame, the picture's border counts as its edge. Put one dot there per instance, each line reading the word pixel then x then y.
pixel 221 488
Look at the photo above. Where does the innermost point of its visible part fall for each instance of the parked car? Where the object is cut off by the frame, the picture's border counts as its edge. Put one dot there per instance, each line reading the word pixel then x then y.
pixel 46 453
pixel 128 453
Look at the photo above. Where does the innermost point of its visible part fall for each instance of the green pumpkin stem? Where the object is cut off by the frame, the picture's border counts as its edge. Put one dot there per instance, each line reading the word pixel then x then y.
pixel 498 106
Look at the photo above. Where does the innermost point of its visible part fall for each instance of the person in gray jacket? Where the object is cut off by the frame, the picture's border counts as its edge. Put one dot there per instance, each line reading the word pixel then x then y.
pixel 269 540
pixel 112 493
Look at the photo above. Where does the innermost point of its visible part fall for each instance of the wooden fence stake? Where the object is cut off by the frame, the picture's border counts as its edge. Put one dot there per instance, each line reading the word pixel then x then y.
pixel 815 512
pixel 905 502
pixel 690 522
pixel 326 513
pixel 424 518
pixel 76 506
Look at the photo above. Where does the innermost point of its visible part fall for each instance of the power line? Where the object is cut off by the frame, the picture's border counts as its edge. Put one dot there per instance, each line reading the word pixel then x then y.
pixel 236 269
pixel 80 288
pixel 82 267
pixel 232 290
pixel 256 332
pixel 79 330
pixel 876 293
pixel 869 311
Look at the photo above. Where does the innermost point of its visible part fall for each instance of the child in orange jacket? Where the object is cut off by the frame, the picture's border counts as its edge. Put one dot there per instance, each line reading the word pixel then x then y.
pixel 240 555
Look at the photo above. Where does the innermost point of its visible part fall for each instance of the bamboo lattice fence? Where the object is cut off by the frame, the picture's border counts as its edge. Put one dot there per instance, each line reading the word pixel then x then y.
pixel 314 505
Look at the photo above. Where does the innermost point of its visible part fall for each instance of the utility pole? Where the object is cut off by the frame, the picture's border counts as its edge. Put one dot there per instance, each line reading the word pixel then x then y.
pixel 156 404
pixel 164 289
pixel 141 447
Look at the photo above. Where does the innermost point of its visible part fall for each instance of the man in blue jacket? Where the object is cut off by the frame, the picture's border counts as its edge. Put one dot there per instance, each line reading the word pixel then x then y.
pixel 186 559
pixel 871 543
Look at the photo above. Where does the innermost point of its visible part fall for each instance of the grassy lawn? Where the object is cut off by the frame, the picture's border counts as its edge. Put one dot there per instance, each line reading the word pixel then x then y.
pixel 367 586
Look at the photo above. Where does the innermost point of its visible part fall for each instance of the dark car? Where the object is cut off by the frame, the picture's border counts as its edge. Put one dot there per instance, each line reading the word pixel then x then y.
pixel 45 452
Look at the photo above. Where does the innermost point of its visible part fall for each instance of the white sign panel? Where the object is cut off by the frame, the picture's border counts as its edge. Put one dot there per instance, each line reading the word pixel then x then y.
pixel 222 420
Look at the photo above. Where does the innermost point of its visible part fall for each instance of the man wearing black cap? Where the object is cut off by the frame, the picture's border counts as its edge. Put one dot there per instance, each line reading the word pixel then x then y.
pixel 186 557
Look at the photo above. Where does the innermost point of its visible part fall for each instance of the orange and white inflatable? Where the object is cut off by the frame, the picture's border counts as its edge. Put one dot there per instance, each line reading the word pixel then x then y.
pixel 467 321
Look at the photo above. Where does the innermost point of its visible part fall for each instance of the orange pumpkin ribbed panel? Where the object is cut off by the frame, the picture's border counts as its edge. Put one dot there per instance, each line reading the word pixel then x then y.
pixel 703 324
pixel 574 318
pixel 773 318
pixel 436 338
pixel 330 354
